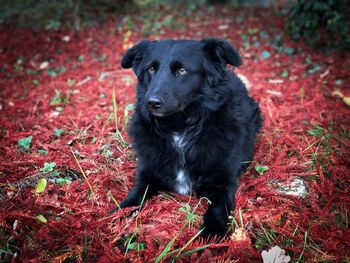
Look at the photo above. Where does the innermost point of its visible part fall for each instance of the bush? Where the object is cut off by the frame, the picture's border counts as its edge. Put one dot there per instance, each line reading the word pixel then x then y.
pixel 322 23
pixel 53 14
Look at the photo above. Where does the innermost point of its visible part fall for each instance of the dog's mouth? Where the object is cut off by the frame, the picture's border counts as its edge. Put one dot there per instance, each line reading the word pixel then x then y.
pixel 165 113
pixel 161 114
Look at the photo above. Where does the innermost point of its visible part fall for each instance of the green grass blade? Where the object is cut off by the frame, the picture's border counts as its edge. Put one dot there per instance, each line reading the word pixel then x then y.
pixel 302 252
pixel 165 251
pixel 143 198
pixel 189 242
pixel 129 242
pixel 187 253
pixel 114 200
pixel 266 234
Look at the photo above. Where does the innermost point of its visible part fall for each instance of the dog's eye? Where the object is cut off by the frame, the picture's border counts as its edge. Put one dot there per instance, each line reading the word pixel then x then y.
pixel 151 70
pixel 181 71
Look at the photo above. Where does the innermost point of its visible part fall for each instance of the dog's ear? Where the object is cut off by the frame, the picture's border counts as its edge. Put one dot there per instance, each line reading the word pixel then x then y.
pixel 134 55
pixel 221 51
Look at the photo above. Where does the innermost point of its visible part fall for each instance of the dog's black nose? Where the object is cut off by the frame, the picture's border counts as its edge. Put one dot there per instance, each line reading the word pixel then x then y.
pixel 155 102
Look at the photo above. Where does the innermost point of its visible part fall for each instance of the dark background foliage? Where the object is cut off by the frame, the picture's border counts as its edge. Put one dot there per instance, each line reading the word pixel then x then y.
pixel 323 24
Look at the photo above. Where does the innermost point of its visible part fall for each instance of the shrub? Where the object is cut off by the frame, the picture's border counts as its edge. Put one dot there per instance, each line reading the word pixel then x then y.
pixel 53 14
pixel 322 23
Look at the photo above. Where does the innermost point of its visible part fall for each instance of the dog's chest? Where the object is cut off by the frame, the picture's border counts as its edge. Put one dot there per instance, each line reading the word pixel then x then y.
pixel 183 183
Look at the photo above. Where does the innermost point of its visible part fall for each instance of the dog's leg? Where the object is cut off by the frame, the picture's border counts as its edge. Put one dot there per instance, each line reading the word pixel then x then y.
pixel 141 191
pixel 222 202
pixel 143 188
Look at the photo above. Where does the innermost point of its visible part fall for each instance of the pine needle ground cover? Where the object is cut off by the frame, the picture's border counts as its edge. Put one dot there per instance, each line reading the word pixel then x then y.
pixel 66 159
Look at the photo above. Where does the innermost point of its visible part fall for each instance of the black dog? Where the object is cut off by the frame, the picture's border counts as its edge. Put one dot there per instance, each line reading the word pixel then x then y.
pixel 194 127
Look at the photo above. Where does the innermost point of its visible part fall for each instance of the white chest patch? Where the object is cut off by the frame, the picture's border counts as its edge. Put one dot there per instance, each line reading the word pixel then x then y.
pixel 178 141
pixel 183 184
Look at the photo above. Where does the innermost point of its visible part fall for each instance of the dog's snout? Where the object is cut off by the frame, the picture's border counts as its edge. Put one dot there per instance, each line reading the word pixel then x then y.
pixel 155 102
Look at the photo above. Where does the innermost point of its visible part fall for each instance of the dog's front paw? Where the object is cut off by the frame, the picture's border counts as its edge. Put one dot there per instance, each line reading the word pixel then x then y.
pixel 214 231
pixel 214 226
pixel 127 202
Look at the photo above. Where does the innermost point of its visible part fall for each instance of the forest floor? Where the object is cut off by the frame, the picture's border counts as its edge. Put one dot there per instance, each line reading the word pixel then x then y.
pixel 65 155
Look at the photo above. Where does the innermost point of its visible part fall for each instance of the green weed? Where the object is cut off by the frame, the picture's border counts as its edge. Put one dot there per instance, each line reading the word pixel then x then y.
pixel 60 99
pixel 265 237
pixel 166 253
pixel 191 216
pixel 58 132
pixel 24 143
pixel 48 167
pixel 261 169
pixel 131 242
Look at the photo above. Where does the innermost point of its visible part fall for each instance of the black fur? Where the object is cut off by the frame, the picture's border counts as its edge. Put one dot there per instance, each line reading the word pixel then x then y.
pixel 207 109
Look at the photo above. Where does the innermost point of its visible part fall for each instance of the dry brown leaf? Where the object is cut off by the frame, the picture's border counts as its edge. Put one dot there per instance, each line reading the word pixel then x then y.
pixel 240 234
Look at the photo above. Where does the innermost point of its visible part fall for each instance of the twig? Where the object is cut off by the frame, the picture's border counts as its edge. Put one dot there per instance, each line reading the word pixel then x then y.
pixel 83 173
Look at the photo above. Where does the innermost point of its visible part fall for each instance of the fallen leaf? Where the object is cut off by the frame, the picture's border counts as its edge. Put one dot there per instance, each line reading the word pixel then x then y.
pixel 41 185
pixel 275 255
pixel 41 218
pixel 240 234
pixel 274 92
pixel 276 81
pixel 66 39
pixel 44 65
pixel 346 100
pixel 223 27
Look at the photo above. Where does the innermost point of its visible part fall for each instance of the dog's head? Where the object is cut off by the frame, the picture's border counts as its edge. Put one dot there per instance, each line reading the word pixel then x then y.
pixel 173 74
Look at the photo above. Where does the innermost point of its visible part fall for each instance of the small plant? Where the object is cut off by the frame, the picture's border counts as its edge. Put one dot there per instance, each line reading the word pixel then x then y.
pixel 42 152
pixel 81 58
pixel 60 99
pixel 71 82
pixel 63 180
pixel 261 169
pixel 58 132
pixel 48 167
pixel 7 247
pixel 56 100
pixel 132 243
pixel 316 131
pixel 265 237
pixel 24 143
pixel 106 152
pixel 136 246
pixel 191 216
